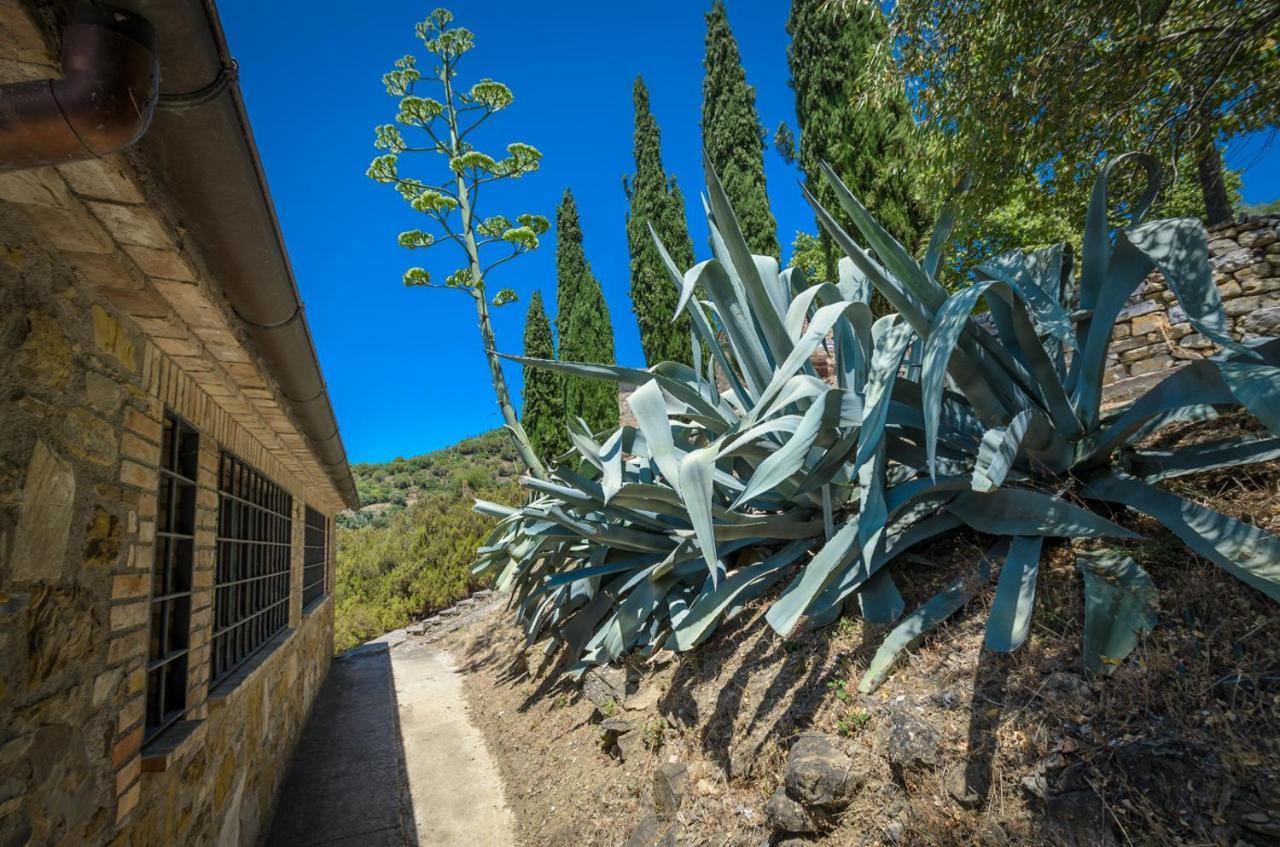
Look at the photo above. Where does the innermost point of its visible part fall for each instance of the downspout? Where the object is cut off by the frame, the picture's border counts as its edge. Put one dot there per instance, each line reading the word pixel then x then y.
pixel 102 103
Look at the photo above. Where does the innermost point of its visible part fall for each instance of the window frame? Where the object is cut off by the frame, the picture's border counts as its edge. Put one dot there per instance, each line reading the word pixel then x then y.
pixel 315 524
pixel 253 572
pixel 172 576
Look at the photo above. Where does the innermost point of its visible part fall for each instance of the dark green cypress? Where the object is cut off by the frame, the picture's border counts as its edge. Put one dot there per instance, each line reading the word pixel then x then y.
pixel 868 146
pixel 732 134
pixel 586 333
pixel 542 409
pixel 656 201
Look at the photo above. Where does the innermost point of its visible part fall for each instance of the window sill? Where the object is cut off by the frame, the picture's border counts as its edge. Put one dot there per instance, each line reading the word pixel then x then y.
pixel 226 687
pixel 315 604
pixel 172 746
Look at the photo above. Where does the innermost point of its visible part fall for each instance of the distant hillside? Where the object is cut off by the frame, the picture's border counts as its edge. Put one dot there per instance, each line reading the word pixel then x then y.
pixel 483 461
pixel 408 551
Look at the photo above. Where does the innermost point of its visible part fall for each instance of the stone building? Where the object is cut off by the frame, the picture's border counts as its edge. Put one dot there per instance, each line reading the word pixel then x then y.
pixel 169 460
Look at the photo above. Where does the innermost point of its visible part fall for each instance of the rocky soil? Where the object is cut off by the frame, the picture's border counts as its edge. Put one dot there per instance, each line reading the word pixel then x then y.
pixel 752 740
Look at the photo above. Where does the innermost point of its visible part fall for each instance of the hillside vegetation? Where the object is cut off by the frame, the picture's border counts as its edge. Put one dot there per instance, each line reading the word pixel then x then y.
pixel 408 551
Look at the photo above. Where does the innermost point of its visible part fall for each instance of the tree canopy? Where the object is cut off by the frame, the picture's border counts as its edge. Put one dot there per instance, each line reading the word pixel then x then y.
pixel 732 135
pixel 1051 89
pixel 542 409
pixel 869 142
pixel 582 318
pixel 656 202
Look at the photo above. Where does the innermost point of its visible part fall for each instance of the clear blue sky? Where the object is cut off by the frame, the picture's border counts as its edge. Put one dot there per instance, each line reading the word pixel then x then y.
pixel 404 366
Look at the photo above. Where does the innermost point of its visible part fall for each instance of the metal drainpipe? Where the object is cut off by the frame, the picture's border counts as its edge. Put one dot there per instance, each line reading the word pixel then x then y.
pixel 103 102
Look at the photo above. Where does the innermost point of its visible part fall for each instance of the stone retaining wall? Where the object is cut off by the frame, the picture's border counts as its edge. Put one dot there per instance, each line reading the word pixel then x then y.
pixel 1153 337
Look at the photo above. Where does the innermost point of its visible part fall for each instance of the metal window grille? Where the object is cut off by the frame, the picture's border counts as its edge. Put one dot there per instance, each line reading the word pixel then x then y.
pixel 315 557
pixel 251 584
pixel 167 653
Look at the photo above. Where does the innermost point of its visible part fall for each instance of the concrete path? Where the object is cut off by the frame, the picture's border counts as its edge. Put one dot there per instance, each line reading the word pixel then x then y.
pixel 389 759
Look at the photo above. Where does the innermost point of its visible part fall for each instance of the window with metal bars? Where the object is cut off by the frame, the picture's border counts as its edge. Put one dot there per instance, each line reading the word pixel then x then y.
pixel 167 653
pixel 315 557
pixel 251 584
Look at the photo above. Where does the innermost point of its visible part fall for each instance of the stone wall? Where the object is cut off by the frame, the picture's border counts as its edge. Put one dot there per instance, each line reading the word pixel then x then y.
pixel 1152 335
pixel 84 390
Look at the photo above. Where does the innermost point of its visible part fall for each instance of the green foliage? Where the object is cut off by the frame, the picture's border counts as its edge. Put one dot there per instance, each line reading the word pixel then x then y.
pixel 732 135
pixel 869 142
pixel 1272 208
pixel 655 202
pixel 417 563
pixel 543 406
pixel 1048 89
pixel 655 534
pixel 449 200
pixel 481 461
pixel 807 256
pixel 582 318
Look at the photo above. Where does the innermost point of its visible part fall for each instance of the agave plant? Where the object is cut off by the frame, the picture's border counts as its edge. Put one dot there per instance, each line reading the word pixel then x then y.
pixel 650 536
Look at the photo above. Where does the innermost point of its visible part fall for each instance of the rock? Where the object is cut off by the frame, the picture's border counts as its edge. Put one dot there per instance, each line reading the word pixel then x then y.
pixel 707 787
pixel 1078 819
pixel 819 774
pixel 909 742
pixel 894 831
pixel 49 494
pixel 648 833
pixel 1264 321
pixel 62 629
pixel 605 684
pixel 1060 684
pixel 960 789
pixel 668 787
pixel 102 539
pixel 790 841
pixel 1258 238
pixel 786 815
pixel 646 698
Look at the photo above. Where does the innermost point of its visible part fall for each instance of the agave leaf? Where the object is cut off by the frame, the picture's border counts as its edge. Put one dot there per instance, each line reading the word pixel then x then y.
pixel 700 328
pixel 904 302
pixel 725 224
pixel 1023 511
pixel 996 455
pixel 1199 383
pixel 915 626
pixel 1096 255
pixel 1244 551
pixel 1010 618
pixel 1179 248
pixel 697 471
pixel 885 364
pixel 1257 387
pixel 823 320
pixel 942 228
pixel 895 257
pixel 1155 465
pixel 611 465
pixel 783 463
pixel 881 602
pixel 650 410
pixel 839 550
pixel 740 586
pixel 1119 607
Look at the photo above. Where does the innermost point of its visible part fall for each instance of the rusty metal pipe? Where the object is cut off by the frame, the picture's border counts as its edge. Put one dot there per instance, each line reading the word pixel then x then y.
pixel 102 103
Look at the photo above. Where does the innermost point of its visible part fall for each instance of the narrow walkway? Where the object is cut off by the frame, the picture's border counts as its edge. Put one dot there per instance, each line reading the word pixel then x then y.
pixel 389 759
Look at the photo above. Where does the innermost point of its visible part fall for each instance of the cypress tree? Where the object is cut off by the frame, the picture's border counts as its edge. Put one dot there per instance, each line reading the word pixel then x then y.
pixel 656 201
pixel 586 334
pixel 732 134
pixel 868 146
pixel 542 410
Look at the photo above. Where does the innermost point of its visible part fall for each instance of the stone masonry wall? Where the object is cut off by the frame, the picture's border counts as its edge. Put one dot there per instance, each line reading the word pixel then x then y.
pixel 1152 335
pixel 82 396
